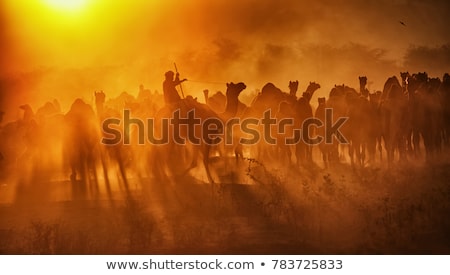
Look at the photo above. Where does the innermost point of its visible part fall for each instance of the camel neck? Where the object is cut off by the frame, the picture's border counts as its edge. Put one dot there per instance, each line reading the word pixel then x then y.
pixel 231 108
pixel 362 88
pixel 100 109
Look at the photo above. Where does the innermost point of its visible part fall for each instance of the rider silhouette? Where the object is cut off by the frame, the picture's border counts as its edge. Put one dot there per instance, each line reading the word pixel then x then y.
pixel 169 87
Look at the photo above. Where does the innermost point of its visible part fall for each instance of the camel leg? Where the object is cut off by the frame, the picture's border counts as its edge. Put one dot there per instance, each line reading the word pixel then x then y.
pixel 325 157
pixel 300 153
pixel 390 148
pixel 370 147
pixel 409 143
pixel 206 150
pixel 73 175
pixel 122 172
pixel 357 151
pixel 105 175
pixel 238 153
pixel 416 141
pixel 380 148
pixel 350 152
pixel 363 154
pixel 74 164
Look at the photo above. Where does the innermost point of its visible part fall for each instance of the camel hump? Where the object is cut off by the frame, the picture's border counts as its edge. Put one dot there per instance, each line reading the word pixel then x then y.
pixel 395 91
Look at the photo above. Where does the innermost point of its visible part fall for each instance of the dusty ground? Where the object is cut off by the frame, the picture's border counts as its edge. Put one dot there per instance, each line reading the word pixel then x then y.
pixel 255 210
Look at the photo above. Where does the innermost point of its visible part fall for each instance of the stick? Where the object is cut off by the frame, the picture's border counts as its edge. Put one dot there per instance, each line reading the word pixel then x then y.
pixel 181 87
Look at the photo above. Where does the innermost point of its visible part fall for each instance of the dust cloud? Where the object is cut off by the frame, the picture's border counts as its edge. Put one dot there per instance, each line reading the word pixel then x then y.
pixel 64 72
pixel 117 46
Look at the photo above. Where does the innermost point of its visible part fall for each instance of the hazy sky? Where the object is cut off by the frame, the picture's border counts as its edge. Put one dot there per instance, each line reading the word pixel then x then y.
pixel 49 52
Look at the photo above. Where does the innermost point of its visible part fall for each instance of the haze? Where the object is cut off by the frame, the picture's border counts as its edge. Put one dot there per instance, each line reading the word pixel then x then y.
pixel 114 46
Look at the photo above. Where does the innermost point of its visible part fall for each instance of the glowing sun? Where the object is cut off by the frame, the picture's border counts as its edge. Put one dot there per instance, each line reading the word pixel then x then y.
pixel 66 5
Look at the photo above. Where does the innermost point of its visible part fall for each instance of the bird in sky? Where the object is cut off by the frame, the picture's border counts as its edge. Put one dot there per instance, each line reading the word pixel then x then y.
pixel 403 23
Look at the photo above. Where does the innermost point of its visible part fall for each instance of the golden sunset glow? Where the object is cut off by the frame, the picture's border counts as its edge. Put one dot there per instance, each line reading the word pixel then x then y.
pixel 66 5
pixel 328 116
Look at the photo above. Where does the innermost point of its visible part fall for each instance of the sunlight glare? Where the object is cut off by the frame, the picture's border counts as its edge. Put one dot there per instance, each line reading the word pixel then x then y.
pixel 66 5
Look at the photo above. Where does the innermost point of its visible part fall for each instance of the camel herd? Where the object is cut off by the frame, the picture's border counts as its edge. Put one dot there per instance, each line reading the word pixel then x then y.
pixel 408 119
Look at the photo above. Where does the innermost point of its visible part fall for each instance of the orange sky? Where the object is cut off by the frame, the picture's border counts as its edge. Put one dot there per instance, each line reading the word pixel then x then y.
pixel 49 52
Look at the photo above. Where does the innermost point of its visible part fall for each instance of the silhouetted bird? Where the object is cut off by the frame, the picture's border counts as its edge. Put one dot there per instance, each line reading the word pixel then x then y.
pixel 403 23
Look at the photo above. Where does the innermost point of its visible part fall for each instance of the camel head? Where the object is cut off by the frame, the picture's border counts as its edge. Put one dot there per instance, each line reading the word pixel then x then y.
pixel 404 76
pixel 362 84
pixel 446 78
pixel 422 77
pixel 312 87
pixel 28 113
pixel 417 81
pixel 340 91
pixel 25 107
pixel 99 97
pixel 363 81
pixel 234 90
pixel 293 87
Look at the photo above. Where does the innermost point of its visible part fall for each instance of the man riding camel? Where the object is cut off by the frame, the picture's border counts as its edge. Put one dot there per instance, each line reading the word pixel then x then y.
pixel 169 87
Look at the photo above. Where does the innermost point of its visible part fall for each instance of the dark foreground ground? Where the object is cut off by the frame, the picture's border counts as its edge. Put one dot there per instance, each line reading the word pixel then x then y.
pixel 255 210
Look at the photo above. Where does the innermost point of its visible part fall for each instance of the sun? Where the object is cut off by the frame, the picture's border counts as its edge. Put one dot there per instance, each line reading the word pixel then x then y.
pixel 66 5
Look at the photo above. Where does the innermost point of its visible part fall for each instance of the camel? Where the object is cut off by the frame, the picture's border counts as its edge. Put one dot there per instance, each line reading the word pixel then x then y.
pixel 404 77
pixel 49 136
pixel 165 156
pixel 393 110
pixel 17 141
pixel 311 89
pixel 300 110
pixel 356 107
pixel 412 84
pixel 218 104
pixel 374 134
pixel 326 149
pixel 372 126
pixel 303 111
pixel 112 154
pixel 215 102
pixel 218 101
pixel 81 139
pixel 437 110
pixel 428 112
pixel 338 100
pixel 284 150
pixel 362 86
pixel 444 92
pixel 283 105
pixel 357 127
pixel 293 88
pixel 287 110
pixel 268 102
